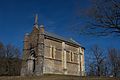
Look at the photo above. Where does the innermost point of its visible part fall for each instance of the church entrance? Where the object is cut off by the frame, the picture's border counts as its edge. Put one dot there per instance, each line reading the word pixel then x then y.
pixel 31 62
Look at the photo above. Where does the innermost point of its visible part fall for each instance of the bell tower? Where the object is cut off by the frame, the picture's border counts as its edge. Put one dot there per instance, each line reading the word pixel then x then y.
pixel 40 57
pixel 33 52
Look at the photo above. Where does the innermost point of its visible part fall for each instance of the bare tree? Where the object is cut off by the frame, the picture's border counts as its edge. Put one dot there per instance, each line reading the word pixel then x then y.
pixel 2 58
pixel 10 62
pixel 104 16
pixel 2 50
pixel 114 58
pixel 97 65
pixel 103 62
pixel 12 59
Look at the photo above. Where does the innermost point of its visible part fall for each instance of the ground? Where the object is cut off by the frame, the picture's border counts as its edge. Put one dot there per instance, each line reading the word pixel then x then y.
pixel 56 77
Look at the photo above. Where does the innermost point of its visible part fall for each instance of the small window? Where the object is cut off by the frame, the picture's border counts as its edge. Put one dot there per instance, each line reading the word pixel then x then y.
pixel 72 56
pixel 52 52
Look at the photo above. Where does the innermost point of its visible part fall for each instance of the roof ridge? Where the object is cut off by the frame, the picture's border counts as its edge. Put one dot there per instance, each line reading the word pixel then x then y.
pixel 61 37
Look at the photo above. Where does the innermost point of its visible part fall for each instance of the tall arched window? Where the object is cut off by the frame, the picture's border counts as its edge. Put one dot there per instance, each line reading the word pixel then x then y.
pixel 31 61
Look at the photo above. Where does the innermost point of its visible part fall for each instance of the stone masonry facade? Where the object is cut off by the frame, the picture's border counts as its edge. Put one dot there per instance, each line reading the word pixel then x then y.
pixel 48 53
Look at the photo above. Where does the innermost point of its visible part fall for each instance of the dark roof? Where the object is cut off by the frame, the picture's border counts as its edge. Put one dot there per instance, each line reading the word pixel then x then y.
pixel 62 38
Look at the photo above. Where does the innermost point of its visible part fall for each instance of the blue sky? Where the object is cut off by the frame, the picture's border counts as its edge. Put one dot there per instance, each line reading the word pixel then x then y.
pixel 58 16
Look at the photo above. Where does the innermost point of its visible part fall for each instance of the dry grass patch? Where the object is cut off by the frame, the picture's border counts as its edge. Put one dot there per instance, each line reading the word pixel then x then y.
pixel 55 77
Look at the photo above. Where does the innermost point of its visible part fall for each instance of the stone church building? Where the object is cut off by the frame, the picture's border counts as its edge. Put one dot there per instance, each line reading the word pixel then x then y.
pixel 48 53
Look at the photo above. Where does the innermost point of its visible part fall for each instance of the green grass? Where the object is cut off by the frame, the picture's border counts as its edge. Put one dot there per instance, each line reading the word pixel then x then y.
pixel 55 77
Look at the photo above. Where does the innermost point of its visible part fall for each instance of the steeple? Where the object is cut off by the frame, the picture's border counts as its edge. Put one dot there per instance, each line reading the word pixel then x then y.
pixel 36 19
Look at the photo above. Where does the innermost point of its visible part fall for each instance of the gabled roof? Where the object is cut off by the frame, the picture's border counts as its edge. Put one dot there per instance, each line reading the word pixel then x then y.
pixel 62 38
pixel 55 36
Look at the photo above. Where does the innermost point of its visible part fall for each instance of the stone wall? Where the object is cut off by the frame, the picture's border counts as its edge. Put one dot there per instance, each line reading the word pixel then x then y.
pixel 56 65
pixel 72 60
pixel 33 42
pixel 52 64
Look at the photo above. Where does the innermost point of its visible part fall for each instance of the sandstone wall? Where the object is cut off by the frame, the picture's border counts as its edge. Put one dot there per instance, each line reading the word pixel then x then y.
pixel 55 65
pixel 52 65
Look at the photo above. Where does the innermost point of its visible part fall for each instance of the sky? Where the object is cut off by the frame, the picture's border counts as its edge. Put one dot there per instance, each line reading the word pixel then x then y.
pixel 58 16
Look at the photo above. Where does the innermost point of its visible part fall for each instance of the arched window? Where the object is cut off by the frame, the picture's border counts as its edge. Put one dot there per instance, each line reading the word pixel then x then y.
pixel 31 61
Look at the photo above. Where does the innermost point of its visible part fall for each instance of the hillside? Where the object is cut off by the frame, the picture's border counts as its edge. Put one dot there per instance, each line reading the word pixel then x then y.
pixel 55 77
